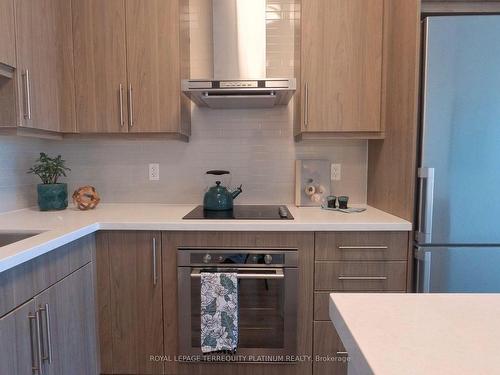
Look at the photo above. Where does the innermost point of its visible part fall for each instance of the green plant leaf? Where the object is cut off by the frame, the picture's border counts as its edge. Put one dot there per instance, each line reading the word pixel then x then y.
pixel 49 169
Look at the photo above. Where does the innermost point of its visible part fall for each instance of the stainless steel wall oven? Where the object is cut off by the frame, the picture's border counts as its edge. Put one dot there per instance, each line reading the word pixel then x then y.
pixel 267 293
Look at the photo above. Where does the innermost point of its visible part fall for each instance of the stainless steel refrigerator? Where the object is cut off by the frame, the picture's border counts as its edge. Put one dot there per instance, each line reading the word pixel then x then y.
pixel 458 234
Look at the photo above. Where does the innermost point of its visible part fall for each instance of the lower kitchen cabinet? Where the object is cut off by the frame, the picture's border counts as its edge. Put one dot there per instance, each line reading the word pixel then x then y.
pixel 130 301
pixel 20 284
pixel 351 262
pixel 54 333
pixel 17 341
pixel 47 310
pixel 330 357
pixel 67 319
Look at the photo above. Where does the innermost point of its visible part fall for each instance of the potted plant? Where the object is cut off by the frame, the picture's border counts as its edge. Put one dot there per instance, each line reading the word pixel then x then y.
pixel 51 194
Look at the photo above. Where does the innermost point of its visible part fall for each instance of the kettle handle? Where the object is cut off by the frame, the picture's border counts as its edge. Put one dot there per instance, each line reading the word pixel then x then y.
pixel 217 172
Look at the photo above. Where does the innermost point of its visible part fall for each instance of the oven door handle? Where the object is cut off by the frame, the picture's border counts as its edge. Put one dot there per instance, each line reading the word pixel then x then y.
pixel 258 273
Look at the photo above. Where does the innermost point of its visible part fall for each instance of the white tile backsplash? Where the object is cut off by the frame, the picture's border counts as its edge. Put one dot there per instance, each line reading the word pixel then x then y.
pixel 257 146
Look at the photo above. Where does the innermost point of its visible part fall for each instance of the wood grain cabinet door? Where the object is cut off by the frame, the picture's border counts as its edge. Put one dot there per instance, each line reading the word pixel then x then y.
pixel 45 64
pixel 68 332
pixel 130 302
pixel 153 63
pixel 7 41
pixel 100 66
pixel 330 357
pixel 17 340
pixel 341 65
pixel 26 70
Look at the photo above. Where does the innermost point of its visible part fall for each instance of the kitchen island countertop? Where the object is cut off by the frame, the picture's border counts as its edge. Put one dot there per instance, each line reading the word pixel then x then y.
pixel 61 227
pixel 419 334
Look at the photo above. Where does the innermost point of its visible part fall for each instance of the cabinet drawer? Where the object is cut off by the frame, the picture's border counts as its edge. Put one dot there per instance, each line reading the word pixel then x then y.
pixel 361 245
pixel 360 276
pixel 330 356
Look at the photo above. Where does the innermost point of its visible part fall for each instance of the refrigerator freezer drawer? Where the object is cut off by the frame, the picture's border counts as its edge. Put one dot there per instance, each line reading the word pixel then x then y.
pixel 458 269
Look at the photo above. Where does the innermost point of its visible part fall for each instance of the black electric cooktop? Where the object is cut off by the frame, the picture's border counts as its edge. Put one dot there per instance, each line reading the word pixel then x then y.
pixel 243 212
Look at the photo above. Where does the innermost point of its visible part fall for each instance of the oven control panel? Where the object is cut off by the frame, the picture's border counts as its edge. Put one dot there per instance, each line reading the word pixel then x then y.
pixel 237 258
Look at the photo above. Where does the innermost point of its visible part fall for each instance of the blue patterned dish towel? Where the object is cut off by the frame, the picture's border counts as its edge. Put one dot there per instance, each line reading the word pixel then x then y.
pixel 219 311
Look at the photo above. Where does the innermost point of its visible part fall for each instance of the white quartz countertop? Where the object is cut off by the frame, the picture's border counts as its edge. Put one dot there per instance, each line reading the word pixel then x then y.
pixel 419 334
pixel 62 227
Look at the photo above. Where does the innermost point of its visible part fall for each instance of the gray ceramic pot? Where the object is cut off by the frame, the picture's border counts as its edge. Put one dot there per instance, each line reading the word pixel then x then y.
pixel 52 197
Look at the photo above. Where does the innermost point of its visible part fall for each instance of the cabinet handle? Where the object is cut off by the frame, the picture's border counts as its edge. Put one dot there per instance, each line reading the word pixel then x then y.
pixel 363 247
pixel 130 106
pixel 39 341
pixel 122 123
pixel 27 95
pixel 306 105
pixel 36 360
pixel 45 309
pixel 362 277
pixel 155 276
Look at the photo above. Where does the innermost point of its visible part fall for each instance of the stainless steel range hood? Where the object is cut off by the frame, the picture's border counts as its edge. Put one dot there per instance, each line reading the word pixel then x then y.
pixel 233 94
pixel 239 61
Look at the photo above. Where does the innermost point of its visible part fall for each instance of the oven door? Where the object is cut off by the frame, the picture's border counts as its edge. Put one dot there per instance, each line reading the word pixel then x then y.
pixel 267 311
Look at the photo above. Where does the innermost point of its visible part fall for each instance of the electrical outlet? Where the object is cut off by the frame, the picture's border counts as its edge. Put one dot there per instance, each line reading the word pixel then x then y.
pixel 154 172
pixel 335 172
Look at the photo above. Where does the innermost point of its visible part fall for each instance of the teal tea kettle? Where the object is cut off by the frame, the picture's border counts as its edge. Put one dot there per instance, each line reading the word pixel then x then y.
pixel 218 197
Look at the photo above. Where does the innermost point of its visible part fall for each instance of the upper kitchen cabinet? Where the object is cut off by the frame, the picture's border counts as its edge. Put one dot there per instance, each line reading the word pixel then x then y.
pixel 392 161
pixel 100 66
pixel 128 66
pixel 156 103
pixel 7 40
pixel 341 50
pixel 7 64
pixel 45 89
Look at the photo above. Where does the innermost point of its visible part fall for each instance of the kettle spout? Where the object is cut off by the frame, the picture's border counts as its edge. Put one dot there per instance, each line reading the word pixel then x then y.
pixel 237 192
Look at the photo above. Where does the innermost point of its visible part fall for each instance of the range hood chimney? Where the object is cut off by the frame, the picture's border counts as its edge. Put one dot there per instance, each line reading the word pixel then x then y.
pixel 239 61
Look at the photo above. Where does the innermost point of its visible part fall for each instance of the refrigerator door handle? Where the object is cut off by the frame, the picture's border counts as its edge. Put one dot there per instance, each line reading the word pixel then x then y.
pixel 426 203
pixel 423 274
